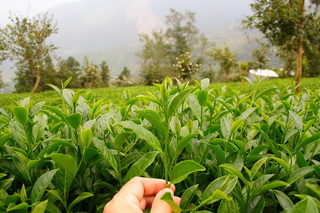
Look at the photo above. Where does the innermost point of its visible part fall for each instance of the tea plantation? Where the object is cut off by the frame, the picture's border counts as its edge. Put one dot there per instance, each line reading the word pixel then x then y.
pixel 240 147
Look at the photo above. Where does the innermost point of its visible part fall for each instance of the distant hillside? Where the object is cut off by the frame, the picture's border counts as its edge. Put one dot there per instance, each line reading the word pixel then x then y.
pixel 108 29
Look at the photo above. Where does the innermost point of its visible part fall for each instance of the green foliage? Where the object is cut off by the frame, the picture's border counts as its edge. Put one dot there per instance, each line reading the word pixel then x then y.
pixel 223 149
pixel 23 40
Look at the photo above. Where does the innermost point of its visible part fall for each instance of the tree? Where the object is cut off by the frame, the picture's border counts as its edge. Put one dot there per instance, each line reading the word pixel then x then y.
pixel 286 24
pixel 162 47
pixel 1 81
pixel 90 78
pixel 260 56
pixel 185 68
pixel 155 64
pixel 228 62
pixel 105 74
pixel 124 78
pixel 24 41
pixel 70 68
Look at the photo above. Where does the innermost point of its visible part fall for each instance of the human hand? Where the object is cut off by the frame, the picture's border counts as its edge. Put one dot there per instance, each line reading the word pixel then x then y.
pixel 141 193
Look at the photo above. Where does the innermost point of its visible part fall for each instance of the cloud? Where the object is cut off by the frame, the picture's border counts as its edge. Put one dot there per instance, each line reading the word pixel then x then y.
pixel 143 17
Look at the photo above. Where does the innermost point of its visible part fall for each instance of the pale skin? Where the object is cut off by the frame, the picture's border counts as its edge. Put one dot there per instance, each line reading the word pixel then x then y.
pixel 139 194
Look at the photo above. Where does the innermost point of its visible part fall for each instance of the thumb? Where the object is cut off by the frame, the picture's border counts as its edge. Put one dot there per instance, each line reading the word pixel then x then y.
pixel 160 206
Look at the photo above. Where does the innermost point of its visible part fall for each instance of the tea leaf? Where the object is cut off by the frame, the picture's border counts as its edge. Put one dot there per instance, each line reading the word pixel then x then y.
pixel 106 153
pixel 306 205
pixel 284 200
pixel 306 141
pixel 81 197
pixel 41 185
pixel 176 101
pixel 183 169
pixel 74 120
pixel 140 166
pixel 187 196
pixel 143 133
pixel 167 197
pixel 21 114
pixel 41 207
pixel 301 172
pixel 120 139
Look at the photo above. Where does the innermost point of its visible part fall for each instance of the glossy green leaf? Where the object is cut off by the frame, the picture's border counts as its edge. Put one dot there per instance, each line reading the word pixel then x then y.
pixel 120 139
pixel 306 141
pixel 284 164
pixel 187 196
pixel 81 197
pixel 233 170
pixel 301 172
pixel 66 162
pixel 154 118
pixel 74 120
pixel 86 137
pixel 256 205
pixel 202 96
pixel 284 200
pixel 183 142
pixel 143 133
pixel 106 153
pixel 176 101
pixel 21 207
pixel 255 168
pixel 183 169
pixel 225 128
pixel 140 166
pixel 226 184
pixel 41 185
pixel 306 205
pixel 21 114
pixel 41 207
pixel 297 120
pixel 236 125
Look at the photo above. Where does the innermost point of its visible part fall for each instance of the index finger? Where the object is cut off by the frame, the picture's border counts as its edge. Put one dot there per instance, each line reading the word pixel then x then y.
pixel 140 187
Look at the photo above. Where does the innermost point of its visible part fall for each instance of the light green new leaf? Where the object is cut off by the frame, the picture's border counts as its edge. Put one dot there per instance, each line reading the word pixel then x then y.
pixel 233 170
pixel 297 120
pixel 255 168
pixel 74 120
pixel 205 83
pixel 140 166
pixel 284 164
pixel 284 200
pixel 167 197
pixel 143 133
pixel 21 207
pixel 306 205
pixel 306 141
pixel 225 127
pixel 153 117
pixel 182 143
pixel 236 125
pixel 226 184
pixel 41 207
pixel 21 114
pixel 202 96
pixel 183 169
pixel 272 185
pixel 86 137
pixel 120 139
pixel 176 101
pixel 81 197
pixel 65 162
pixel 300 173
pixel 106 153
pixel 41 185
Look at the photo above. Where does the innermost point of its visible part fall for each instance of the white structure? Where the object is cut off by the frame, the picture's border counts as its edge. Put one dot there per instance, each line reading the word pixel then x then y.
pixel 261 74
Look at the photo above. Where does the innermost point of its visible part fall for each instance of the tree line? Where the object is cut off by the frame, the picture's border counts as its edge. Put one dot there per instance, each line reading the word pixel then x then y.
pixel 290 27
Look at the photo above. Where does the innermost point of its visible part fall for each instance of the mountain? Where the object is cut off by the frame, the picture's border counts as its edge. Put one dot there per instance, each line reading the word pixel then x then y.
pixel 108 29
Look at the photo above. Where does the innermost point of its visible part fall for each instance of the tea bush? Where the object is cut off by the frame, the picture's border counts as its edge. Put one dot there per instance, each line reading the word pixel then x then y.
pixel 225 150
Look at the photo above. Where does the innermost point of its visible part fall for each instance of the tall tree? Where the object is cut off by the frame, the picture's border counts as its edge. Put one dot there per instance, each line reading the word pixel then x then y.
pixel 70 68
pixel 260 56
pixel 286 24
pixel 162 48
pixel 155 64
pixel 228 62
pixel 1 80
pixel 105 74
pixel 24 39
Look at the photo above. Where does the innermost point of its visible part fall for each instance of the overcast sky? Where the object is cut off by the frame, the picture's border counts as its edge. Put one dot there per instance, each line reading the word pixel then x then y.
pixel 26 7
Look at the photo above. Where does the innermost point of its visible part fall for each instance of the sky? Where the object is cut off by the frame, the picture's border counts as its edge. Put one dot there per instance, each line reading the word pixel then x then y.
pixel 26 7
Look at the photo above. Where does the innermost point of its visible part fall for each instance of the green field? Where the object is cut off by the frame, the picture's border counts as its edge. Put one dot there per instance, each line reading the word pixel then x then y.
pixel 236 147
pixel 116 95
